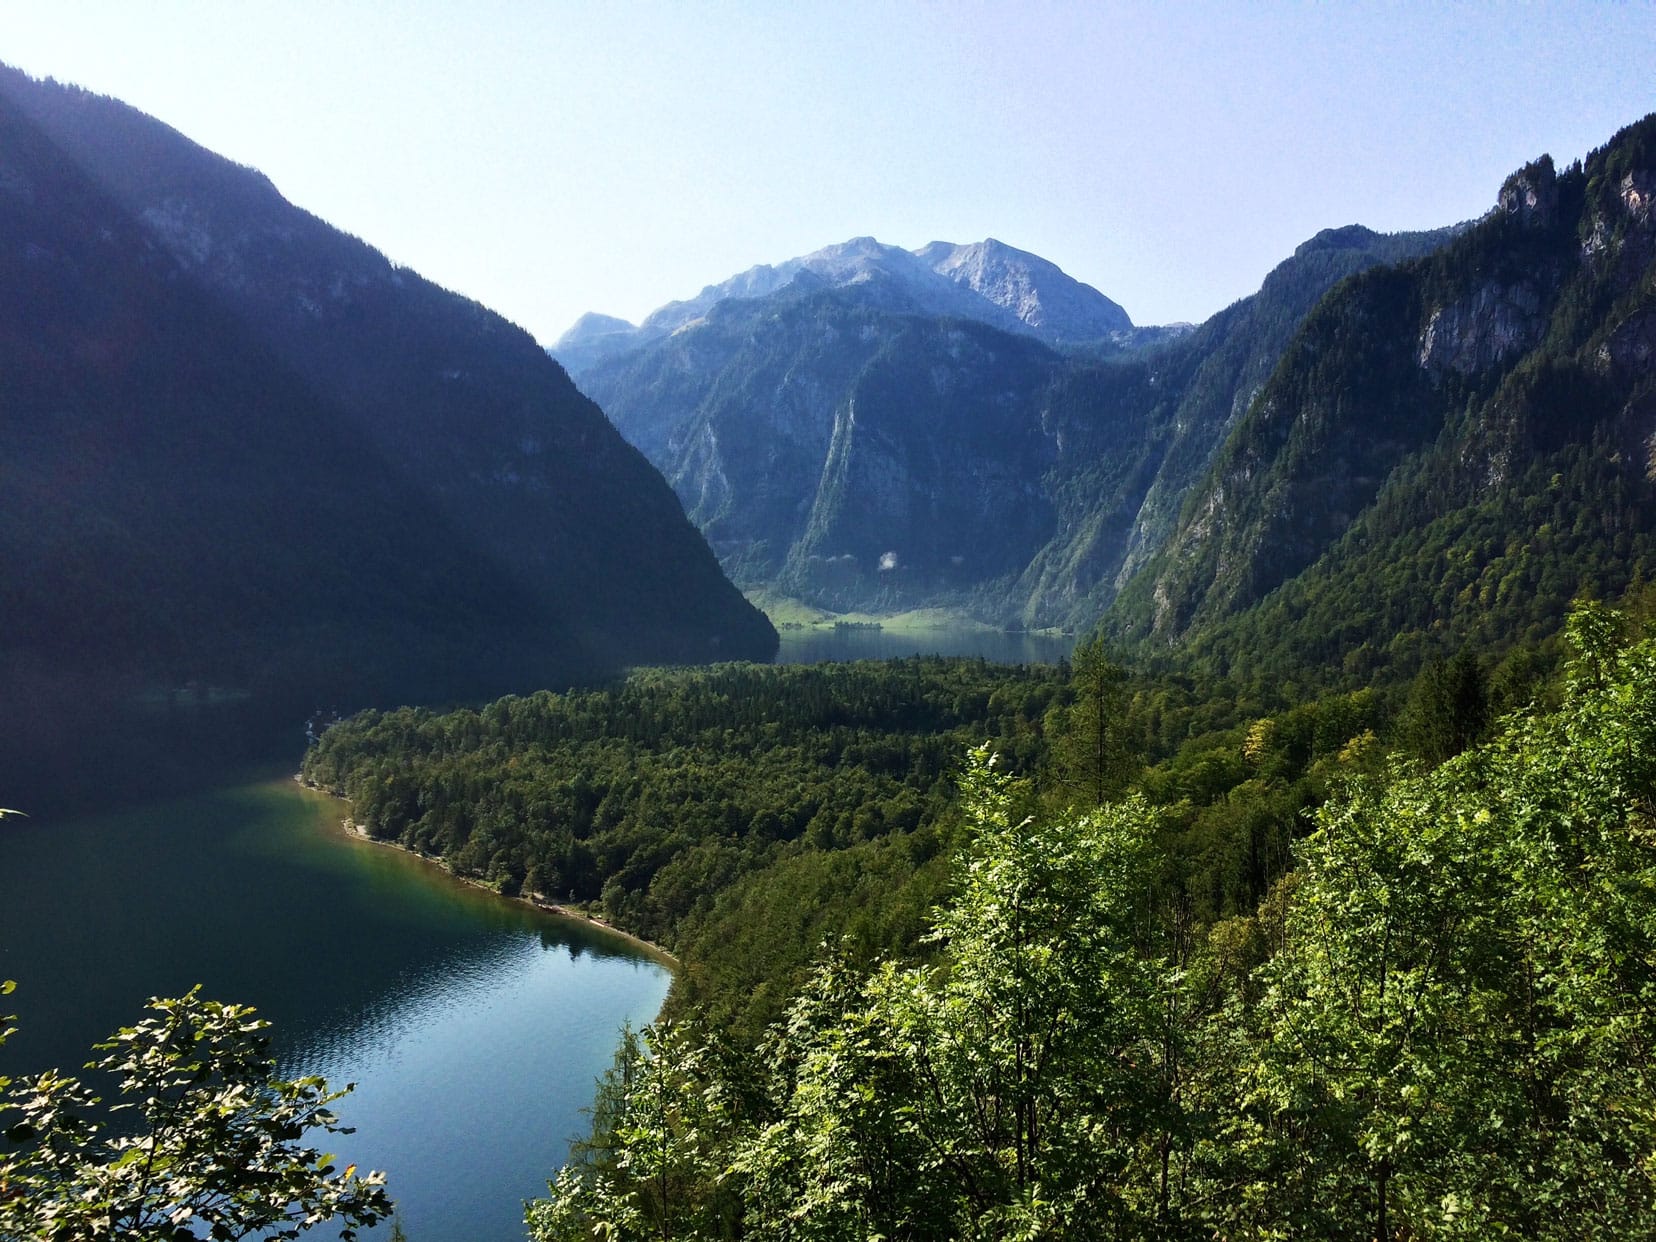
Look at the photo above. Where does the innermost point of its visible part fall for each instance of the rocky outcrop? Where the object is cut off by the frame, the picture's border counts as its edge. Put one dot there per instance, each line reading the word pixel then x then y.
pixel 1487 327
pixel 1530 195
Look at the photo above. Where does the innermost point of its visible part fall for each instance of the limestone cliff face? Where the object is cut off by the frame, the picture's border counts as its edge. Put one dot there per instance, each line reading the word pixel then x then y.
pixel 1492 324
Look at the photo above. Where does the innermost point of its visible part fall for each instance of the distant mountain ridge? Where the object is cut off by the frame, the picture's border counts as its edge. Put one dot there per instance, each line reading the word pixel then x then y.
pixel 988 281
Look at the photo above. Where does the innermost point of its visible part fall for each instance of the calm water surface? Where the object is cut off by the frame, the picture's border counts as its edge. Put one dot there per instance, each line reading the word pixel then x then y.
pixel 814 646
pixel 474 1027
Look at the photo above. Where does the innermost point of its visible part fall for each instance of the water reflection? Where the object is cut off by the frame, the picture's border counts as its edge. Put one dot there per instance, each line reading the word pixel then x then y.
pixel 472 1084
pixel 813 645
pixel 475 1027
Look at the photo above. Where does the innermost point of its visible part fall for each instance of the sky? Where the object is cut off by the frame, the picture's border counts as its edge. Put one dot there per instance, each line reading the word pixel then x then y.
pixel 549 157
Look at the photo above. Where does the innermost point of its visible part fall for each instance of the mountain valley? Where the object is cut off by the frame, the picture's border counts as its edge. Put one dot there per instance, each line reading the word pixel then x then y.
pixel 845 436
pixel 1286 872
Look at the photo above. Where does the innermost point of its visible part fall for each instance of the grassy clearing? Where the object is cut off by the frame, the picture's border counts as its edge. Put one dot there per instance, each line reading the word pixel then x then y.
pixel 786 611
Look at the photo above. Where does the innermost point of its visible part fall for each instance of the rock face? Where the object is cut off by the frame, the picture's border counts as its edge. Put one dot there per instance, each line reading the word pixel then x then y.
pixel 989 282
pixel 1049 304
pixel 239 447
pixel 847 438
pixel 1492 324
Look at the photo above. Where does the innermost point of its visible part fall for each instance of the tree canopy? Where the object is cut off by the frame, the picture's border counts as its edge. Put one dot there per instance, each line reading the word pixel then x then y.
pixel 1438 1026
pixel 206 1142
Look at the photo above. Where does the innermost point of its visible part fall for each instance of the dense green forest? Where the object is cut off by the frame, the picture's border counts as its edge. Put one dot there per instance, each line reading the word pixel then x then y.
pixel 1438 1025
pixel 739 816
pixel 970 950
pixel 744 816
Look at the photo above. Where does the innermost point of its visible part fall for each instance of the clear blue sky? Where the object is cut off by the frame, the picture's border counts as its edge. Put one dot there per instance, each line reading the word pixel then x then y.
pixel 549 158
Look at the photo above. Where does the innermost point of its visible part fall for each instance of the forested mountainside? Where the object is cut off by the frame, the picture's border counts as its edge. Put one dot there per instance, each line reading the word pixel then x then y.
pixel 1455 445
pixel 843 443
pixel 1141 431
pixel 1438 1026
pixel 241 449
pixel 1083 979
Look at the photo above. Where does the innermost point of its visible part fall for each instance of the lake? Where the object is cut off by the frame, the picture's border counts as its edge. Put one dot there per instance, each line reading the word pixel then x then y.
pixel 815 645
pixel 474 1026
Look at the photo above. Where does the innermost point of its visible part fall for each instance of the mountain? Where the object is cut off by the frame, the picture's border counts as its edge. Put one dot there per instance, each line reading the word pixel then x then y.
pixel 592 338
pixel 1449 449
pixel 989 282
pixel 862 450
pixel 1142 432
pixel 239 448
pixel 1048 303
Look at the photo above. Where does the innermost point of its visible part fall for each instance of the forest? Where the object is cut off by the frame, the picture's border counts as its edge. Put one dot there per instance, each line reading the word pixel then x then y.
pixel 1435 1024
pixel 977 951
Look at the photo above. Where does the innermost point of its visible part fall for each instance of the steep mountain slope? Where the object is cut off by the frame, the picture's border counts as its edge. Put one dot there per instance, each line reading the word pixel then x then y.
pixel 1141 432
pixel 1459 437
pixel 240 448
pixel 841 444
pixel 843 452
pixel 988 281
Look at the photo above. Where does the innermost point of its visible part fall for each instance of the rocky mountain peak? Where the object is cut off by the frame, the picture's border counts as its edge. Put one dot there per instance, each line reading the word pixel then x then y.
pixel 988 281
pixel 1531 194
pixel 1039 293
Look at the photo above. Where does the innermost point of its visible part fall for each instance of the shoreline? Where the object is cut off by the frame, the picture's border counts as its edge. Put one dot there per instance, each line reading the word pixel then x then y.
pixel 650 949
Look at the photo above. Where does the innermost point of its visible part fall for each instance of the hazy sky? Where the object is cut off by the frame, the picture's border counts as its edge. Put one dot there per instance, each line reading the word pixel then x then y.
pixel 549 158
